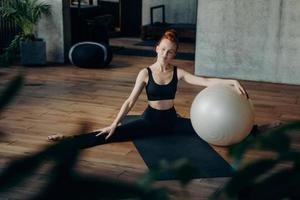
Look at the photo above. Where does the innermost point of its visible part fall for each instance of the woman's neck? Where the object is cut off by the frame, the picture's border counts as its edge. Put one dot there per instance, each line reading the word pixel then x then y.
pixel 163 67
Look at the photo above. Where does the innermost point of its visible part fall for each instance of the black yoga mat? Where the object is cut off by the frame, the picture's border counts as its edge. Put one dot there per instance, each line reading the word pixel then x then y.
pixel 172 147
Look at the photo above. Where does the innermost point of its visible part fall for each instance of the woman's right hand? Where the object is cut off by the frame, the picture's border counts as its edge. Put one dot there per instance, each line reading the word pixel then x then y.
pixel 109 131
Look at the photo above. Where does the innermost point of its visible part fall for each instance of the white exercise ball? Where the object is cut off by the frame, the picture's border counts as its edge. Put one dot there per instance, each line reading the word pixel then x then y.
pixel 221 116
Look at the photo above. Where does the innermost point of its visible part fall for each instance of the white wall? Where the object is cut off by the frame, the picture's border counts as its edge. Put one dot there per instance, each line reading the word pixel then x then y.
pixel 251 40
pixel 51 29
pixel 177 11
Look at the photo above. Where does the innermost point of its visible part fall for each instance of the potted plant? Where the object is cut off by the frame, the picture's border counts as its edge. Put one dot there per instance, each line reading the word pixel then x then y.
pixel 26 14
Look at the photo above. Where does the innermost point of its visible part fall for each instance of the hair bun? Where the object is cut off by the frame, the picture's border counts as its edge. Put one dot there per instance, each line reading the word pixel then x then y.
pixel 171 32
pixel 170 35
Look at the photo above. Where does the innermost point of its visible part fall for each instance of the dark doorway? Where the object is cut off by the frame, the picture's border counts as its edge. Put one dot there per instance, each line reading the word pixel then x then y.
pixel 104 19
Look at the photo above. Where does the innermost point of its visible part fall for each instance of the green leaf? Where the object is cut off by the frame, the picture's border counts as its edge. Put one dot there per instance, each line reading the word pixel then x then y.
pixel 292 156
pixel 238 150
pixel 25 13
pixel 86 187
pixel 275 139
pixel 185 171
pixel 280 185
pixel 148 179
pixel 18 170
pixel 10 52
pixel 14 86
pixel 247 176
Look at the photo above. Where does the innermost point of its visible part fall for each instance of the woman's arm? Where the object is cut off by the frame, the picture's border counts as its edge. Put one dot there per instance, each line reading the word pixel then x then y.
pixel 135 93
pixel 128 104
pixel 203 81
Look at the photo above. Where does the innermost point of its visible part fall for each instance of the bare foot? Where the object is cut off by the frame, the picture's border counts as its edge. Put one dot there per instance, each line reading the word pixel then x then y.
pixel 55 137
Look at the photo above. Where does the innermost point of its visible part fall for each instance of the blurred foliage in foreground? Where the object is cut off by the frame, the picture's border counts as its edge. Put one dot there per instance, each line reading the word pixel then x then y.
pixel 66 183
pixel 263 179
pixel 277 177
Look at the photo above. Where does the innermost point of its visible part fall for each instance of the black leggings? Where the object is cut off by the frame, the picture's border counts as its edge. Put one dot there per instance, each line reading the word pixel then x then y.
pixel 150 123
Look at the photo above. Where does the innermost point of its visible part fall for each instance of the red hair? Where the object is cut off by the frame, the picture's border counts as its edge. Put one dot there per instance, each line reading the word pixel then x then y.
pixel 170 35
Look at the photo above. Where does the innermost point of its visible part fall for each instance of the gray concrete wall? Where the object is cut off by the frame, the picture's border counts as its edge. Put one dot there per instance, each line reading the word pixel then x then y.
pixel 51 29
pixel 250 40
pixel 177 11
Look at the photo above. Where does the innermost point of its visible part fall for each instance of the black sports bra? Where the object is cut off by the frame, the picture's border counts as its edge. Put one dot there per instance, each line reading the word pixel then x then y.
pixel 156 91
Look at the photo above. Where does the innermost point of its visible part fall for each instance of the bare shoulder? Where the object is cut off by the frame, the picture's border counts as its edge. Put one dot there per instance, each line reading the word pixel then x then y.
pixel 179 70
pixel 143 75
pixel 181 73
pixel 143 72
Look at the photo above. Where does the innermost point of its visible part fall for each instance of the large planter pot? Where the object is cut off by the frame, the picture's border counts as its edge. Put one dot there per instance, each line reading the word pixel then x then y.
pixel 33 52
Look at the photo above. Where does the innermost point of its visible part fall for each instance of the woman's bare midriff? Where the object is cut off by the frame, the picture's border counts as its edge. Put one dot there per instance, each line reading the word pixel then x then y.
pixel 162 104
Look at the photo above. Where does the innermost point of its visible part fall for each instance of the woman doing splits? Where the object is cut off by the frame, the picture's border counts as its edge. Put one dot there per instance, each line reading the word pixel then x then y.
pixel 160 81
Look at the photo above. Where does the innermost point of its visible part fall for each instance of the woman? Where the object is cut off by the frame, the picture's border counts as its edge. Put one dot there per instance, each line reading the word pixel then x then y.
pixel 160 81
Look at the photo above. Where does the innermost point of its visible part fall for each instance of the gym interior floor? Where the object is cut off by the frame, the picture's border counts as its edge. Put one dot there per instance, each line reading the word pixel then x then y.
pixel 56 99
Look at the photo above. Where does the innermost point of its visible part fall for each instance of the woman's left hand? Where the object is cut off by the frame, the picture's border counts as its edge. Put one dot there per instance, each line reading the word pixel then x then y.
pixel 240 89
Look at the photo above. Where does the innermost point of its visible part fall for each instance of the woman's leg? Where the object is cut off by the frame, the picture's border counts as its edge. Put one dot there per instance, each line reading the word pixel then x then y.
pixel 183 126
pixel 128 131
